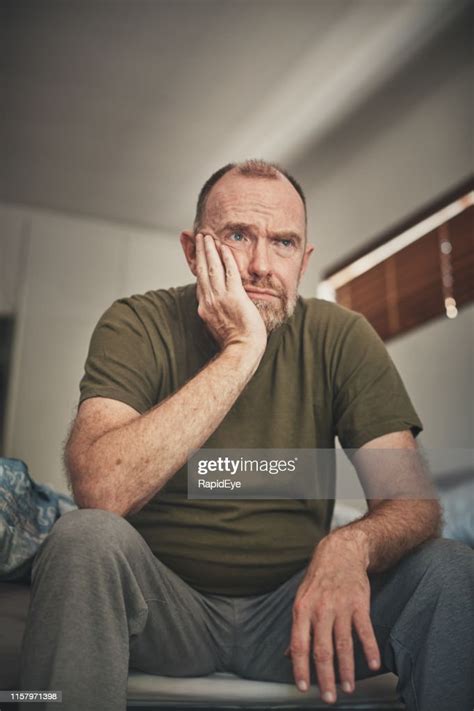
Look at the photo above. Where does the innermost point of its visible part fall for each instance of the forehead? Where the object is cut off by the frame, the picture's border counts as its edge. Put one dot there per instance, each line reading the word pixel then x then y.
pixel 271 203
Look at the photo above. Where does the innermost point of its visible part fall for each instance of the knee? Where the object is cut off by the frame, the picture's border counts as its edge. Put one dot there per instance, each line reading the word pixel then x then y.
pixel 449 562
pixel 95 530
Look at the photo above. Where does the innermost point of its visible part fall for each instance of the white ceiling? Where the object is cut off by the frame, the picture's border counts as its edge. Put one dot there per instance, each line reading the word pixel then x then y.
pixel 120 109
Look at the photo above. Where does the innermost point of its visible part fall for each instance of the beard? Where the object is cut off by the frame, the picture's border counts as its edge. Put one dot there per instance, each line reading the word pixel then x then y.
pixel 273 314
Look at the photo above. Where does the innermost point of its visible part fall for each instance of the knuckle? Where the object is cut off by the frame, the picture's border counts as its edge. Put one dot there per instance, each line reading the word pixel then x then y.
pixel 361 617
pixel 320 612
pixel 344 644
pixel 299 650
pixel 361 604
pixel 300 608
pixel 326 602
pixel 322 654
pixel 359 609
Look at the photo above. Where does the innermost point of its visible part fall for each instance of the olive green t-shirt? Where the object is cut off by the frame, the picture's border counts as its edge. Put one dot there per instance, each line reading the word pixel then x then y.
pixel 324 373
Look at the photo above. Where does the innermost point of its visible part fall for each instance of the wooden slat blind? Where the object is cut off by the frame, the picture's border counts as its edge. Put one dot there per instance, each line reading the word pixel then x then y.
pixel 427 279
pixel 461 231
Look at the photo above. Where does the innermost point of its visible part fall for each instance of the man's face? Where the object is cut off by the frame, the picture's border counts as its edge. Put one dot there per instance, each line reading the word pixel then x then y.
pixel 262 221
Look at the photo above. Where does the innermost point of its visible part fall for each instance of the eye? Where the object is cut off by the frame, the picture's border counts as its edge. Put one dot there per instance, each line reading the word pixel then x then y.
pixel 285 243
pixel 236 237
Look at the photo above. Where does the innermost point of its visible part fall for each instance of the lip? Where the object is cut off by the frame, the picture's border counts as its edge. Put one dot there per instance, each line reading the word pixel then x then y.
pixel 261 292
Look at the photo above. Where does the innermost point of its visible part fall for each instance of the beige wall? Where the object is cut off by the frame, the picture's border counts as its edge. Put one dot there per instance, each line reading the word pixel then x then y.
pixel 73 269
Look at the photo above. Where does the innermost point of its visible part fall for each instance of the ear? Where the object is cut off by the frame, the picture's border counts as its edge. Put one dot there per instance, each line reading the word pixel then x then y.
pixel 309 249
pixel 188 243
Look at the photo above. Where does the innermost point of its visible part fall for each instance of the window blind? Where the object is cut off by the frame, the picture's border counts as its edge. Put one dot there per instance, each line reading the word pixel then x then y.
pixel 427 277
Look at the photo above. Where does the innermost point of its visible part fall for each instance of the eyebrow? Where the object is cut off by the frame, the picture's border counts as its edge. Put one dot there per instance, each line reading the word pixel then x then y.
pixel 245 227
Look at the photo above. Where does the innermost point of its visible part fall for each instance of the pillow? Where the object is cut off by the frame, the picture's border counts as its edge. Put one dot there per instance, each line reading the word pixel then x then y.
pixel 27 513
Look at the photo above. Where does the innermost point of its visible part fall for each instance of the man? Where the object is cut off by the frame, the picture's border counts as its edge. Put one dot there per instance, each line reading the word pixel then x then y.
pixel 142 576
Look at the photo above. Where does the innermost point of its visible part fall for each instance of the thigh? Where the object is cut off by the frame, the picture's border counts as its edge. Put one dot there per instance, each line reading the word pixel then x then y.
pixel 265 624
pixel 407 587
pixel 183 633
pixel 119 592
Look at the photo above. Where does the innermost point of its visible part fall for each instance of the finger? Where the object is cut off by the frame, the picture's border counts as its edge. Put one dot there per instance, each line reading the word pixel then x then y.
pixel 229 266
pixel 232 274
pixel 300 649
pixel 215 267
pixel 323 655
pixel 201 267
pixel 364 628
pixel 345 651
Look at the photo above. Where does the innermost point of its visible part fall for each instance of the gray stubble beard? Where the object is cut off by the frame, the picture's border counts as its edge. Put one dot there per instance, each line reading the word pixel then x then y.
pixel 273 315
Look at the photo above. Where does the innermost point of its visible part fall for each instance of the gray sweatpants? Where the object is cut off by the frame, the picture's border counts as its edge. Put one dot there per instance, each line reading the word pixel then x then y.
pixel 102 602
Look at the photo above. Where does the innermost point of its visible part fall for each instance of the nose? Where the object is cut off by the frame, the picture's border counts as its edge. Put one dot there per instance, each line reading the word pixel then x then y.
pixel 259 262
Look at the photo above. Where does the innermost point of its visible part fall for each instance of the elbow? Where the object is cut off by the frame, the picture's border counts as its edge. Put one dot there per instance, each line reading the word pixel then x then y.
pixel 89 500
pixel 93 500
pixel 91 492
pixel 93 496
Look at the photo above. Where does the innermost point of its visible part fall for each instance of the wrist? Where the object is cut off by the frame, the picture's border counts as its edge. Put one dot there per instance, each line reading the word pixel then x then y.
pixel 351 540
pixel 246 352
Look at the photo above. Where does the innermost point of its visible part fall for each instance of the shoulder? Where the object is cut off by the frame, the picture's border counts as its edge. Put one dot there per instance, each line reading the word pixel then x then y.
pixel 153 307
pixel 328 321
pixel 339 337
pixel 322 310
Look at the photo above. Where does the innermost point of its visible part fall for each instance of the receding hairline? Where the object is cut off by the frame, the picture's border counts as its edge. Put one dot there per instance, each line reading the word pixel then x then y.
pixel 249 169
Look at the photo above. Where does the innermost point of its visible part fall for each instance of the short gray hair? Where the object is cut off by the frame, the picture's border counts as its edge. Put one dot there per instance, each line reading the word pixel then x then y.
pixel 252 168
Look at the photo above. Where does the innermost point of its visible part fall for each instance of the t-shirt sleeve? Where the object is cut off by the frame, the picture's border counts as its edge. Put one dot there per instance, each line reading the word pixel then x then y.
pixel 121 363
pixel 370 399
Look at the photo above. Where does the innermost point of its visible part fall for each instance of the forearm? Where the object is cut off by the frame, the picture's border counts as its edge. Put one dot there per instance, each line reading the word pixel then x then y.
pixel 127 466
pixel 389 531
